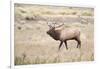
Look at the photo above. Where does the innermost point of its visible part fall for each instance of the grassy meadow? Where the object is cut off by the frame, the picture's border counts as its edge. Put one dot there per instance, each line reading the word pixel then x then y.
pixel 32 45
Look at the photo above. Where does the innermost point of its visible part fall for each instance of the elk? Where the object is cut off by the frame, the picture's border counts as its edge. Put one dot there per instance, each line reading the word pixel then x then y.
pixel 63 35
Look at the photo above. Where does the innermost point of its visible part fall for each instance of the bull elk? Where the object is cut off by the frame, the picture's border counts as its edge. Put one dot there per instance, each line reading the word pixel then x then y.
pixel 63 35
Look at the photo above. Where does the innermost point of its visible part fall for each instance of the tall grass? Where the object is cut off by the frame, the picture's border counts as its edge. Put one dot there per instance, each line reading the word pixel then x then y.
pixel 38 60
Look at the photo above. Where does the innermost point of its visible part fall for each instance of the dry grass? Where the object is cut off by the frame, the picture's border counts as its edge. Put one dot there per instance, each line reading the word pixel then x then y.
pixel 34 46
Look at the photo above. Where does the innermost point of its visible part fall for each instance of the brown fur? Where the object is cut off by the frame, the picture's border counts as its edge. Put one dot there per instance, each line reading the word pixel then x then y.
pixel 65 34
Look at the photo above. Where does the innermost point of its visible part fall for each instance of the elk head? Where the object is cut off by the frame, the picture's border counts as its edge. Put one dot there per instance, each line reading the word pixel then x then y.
pixel 55 34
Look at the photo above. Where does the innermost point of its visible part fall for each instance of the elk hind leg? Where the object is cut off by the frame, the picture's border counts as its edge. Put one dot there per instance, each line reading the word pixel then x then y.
pixel 78 42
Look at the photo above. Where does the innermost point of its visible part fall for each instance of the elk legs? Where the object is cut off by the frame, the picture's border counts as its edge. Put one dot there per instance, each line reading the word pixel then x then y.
pixel 60 44
pixel 78 43
pixel 66 44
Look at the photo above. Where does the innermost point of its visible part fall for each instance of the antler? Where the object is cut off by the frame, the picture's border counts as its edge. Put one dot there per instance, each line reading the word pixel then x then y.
pixel 60 25
pixel 53 24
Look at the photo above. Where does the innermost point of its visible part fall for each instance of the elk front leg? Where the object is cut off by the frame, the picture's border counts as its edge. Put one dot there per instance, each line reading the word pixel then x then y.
pixel 60 44
pixel 66 44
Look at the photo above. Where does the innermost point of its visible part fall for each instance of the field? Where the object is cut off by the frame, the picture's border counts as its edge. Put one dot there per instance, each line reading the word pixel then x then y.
pixel 32 45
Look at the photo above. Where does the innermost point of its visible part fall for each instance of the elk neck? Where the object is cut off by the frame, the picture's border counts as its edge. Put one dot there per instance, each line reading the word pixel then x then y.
pixel 55 34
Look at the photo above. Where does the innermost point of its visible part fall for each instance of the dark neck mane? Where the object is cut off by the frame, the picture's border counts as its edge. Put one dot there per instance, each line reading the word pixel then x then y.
pixel 55 34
